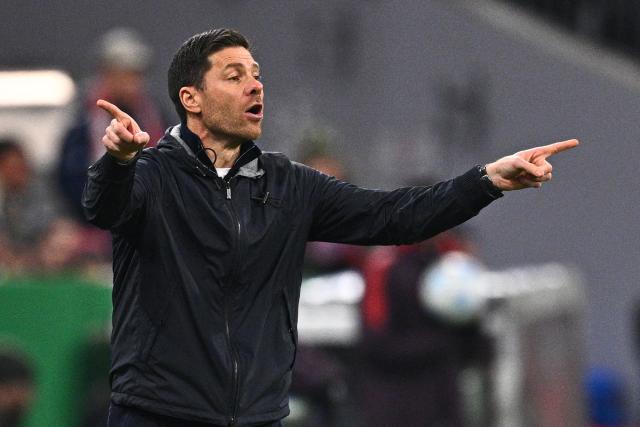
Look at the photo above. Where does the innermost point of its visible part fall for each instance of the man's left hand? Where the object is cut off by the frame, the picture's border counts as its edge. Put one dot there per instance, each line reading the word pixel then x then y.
pixel 526 169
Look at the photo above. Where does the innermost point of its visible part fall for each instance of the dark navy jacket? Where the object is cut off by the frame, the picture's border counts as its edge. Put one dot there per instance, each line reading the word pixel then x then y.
pixel 207 271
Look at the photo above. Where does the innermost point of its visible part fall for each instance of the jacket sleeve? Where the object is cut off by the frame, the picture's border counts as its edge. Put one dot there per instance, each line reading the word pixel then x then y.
pixel 116 195
pixel 345 213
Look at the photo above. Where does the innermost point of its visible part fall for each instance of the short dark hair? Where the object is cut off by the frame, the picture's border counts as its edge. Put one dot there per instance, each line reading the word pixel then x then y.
pixel 191 61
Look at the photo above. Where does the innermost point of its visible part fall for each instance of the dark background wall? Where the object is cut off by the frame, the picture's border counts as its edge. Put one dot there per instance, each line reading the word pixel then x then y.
pixel 412 87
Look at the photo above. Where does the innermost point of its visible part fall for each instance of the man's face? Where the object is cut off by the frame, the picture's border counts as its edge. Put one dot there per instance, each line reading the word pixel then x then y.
pixel 232 95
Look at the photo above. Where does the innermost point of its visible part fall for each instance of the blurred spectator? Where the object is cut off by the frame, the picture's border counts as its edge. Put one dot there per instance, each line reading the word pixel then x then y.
pixel 16 388
pixel 27 208
pixel 34 236
pixel 61 247
pixel 413 359
pixel 123 60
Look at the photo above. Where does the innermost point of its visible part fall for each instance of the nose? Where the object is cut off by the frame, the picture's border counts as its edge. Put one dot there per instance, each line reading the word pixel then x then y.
pixel 255 87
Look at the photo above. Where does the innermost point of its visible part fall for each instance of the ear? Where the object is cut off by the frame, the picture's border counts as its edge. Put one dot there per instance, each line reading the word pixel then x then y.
pixel 190 99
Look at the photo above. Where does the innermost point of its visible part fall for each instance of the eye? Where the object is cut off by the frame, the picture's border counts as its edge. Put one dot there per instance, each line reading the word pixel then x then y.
pixel 258 77
pixel 235 78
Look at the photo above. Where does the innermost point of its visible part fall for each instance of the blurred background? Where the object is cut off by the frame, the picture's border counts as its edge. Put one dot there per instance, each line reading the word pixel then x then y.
pixel 526 316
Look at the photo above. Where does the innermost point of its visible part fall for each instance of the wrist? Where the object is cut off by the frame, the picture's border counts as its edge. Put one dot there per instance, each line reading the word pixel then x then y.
pixel 488 176
pixel 490 169
pixel 123 159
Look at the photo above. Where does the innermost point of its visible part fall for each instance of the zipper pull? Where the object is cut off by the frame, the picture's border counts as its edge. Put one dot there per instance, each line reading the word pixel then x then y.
pixel 228 191
pixel 265 199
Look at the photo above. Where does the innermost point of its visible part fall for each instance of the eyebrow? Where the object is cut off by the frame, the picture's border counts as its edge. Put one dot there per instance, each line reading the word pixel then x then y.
pixel 240 65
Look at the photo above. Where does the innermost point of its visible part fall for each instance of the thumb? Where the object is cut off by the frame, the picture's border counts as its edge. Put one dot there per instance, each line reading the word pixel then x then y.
pixel 530 168
pixel 141 138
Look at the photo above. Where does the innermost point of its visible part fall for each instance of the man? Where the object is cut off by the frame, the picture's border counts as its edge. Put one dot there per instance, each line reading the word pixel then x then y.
pixel 209 236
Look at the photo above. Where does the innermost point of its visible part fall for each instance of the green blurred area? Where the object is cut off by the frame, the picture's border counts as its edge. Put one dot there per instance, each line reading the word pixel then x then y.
pixel 61 325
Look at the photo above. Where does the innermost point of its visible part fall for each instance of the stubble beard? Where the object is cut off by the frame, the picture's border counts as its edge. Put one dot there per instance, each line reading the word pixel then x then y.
pixel 226 124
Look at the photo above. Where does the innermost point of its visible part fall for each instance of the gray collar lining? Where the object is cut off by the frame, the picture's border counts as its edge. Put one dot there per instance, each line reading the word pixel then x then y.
pixel 250 170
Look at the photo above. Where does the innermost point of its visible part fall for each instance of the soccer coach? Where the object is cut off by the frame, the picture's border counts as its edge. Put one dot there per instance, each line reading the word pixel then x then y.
pixel 209 235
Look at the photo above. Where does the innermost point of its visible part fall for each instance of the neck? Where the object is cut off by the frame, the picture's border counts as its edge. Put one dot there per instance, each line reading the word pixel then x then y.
pixel 226 149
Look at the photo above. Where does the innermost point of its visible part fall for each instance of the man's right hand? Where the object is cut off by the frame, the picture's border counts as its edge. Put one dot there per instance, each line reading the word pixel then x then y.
pixel 123 137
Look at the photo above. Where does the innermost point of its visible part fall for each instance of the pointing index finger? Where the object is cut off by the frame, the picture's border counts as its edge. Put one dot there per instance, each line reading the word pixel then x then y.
pixel 119 115
pixel 115 112
pixel 558 147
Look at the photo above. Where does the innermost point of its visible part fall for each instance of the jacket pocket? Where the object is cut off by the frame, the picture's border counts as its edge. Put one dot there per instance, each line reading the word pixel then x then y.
pixel 267 200
pixel 291 327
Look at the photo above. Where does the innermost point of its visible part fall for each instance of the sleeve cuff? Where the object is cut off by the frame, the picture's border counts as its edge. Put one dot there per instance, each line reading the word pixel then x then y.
pixel 474 192
pixel 111 169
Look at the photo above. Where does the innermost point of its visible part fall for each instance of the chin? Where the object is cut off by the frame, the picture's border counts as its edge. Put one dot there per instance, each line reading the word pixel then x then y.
pixel 254 134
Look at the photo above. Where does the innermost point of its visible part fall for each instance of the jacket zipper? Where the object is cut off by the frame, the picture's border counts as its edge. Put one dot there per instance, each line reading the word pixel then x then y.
pixel 234 355
pixel 232 350
pixel 234 359
pixel 229 177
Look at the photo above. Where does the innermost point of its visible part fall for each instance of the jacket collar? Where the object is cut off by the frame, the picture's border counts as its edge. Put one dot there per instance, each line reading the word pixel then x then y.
pixel 194 143
pixel 246 164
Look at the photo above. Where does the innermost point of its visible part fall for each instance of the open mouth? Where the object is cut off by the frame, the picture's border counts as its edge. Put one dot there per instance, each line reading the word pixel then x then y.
pixel 255 111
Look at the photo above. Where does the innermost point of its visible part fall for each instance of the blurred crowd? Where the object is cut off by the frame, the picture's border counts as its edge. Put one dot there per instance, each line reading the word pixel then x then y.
pixel 42 228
